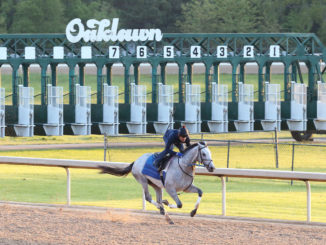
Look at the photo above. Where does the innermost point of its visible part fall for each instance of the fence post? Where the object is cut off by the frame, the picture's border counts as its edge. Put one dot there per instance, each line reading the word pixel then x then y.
pixel 276 148
pixel 68 186
pixel 223 196
pixel 105 145
pixel 228 157
pixel 308 201
pixel 292 165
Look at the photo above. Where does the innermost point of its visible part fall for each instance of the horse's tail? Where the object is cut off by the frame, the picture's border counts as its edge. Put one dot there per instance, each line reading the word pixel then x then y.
pixel 116 171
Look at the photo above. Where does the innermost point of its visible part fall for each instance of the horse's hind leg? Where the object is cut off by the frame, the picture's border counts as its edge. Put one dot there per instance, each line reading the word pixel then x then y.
pixel 144 182
pixel 159 195
pixel 194 189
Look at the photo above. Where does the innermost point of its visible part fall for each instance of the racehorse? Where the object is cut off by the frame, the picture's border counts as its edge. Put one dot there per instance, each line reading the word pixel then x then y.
pixel 179 176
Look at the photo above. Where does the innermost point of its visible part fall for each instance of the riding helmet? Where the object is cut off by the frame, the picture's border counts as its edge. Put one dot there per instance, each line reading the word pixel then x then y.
pixel 183 132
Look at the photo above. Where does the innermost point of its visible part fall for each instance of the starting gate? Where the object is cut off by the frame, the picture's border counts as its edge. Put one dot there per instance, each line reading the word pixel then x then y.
pixel 165 109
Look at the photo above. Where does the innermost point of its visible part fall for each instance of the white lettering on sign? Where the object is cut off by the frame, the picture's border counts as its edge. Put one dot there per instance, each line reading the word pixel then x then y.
pixel 97 31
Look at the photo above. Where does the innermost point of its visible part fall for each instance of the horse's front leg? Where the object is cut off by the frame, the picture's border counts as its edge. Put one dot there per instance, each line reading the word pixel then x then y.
pixel 194 189
pixel 173 193
pixel 159 195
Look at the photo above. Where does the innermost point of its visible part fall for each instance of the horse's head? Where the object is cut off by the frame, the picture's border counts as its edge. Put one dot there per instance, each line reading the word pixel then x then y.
pixel 205 156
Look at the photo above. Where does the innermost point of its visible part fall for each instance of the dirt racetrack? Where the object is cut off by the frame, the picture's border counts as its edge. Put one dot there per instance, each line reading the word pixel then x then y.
pixel 55 225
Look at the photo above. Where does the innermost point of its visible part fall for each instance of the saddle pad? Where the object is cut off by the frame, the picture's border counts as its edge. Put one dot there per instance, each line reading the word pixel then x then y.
pixel 150 170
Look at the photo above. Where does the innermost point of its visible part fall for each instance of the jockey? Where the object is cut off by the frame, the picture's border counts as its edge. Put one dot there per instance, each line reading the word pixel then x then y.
pixel 173 137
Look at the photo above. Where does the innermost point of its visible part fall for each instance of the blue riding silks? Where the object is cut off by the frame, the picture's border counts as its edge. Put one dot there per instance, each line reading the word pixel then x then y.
pixel 150 170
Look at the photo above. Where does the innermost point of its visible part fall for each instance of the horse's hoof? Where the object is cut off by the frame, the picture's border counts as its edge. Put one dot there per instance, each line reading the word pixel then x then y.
pixel 165 202
pixel 162 211
pixel 193 212
pixel 168 219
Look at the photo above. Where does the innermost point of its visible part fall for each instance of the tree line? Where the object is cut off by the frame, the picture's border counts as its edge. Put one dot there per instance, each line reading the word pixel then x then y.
pixel 171 16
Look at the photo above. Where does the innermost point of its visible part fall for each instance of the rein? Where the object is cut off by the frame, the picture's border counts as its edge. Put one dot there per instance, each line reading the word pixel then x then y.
pixel 193 164
pixel 192 180
pixel 183 170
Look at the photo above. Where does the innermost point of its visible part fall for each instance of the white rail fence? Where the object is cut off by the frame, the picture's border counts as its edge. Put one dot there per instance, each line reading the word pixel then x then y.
pixel 219 172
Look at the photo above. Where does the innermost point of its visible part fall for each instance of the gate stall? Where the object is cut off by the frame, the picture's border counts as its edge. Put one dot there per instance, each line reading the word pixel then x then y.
pixel 2 112
pixel 165 109
pixel 219 122
pixel 138 121
pixel 320 121
pixel 245 120
pixel 298 121
pixel 82 125
pixel 25 126
pixel 192 111
pixel 272 119
pixel 55 123
pixel 110 124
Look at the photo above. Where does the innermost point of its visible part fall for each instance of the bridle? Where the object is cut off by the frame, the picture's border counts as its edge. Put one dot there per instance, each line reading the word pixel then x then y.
pixel 196 164
pixel 202 160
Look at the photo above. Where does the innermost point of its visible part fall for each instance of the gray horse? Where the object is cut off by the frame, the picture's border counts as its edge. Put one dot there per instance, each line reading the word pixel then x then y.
pixel 179 176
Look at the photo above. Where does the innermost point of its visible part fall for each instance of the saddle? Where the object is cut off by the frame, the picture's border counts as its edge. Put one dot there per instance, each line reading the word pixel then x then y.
pixel 160 165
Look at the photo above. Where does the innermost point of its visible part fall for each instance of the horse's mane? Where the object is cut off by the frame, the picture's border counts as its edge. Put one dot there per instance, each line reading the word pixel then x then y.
pixel 192 146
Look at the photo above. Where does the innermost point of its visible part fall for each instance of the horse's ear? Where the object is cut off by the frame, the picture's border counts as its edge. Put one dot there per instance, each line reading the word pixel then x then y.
pixel 203 143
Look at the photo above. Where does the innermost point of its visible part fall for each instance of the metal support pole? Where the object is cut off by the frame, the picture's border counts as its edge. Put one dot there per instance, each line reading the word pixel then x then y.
pixel 189 73
pixel 216 73
pixel 68 186
pixel 308 201
pixel 136 73
pixel 81 74
pixel 228 157
pixel 163 73
pixel 208 83
pixel 54 74
pixel 287 84
pixel 99 84
pixel 43 83
pixel 234 81
pixel 14 83
pixel 181 83
pixel 223 196
pixel 292 165
pixel 25 75
pixel 109 74
pixel 261 83
pixel 72 84
pixel 105 146
pixel 276 148
pixel 126 82
pixel 154 83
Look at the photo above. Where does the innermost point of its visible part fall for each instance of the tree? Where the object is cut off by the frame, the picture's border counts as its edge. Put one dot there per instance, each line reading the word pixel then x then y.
pixel 89 9
pixel 219 16
pixel 160 14
pixel 7 11
pixel 38 16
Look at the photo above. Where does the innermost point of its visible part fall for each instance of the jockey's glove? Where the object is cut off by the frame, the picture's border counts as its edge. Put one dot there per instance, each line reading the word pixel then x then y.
pixel 179 154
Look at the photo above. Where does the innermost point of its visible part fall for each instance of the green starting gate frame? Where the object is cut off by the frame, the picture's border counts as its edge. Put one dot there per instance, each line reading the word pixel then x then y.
pixel 294 48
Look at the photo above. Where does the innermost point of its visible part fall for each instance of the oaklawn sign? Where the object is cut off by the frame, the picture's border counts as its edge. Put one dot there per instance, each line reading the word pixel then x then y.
pixel 106 30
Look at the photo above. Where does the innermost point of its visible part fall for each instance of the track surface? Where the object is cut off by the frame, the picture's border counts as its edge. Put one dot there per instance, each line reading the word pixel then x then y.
pixel 59 225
